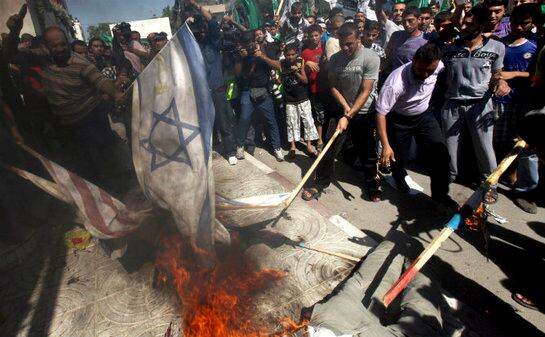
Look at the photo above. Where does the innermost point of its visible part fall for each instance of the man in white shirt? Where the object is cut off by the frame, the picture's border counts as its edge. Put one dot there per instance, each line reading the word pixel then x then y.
pixel 402 113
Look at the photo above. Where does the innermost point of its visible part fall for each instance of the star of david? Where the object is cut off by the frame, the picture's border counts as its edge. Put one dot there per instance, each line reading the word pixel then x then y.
pixel 165 152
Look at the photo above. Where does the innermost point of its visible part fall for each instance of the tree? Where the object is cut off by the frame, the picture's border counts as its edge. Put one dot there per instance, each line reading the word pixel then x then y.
pixel 99 30
pixel 173 16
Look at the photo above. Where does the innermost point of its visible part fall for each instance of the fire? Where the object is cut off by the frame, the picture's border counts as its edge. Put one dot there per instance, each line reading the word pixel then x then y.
pixel 476 220
pixel 217 293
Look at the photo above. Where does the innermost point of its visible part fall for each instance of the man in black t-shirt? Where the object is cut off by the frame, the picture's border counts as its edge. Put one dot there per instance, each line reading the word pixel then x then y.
pixel 253 71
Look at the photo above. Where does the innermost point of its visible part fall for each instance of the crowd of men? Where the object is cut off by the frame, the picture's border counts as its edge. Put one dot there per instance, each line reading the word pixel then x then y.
pixel 415 83
pixel 444 89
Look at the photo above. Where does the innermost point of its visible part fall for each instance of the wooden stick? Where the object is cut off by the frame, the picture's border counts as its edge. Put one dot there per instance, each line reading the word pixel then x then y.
pixel 340 255
pixel 293 195
pixel 279 9
pixel 452 225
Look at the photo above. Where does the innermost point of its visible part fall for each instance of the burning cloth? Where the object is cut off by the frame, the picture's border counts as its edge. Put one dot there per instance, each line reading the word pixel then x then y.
pixel 172 123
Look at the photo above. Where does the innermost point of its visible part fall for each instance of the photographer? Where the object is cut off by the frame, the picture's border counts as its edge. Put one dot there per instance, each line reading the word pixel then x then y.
pixel 208 34
pixel 253 71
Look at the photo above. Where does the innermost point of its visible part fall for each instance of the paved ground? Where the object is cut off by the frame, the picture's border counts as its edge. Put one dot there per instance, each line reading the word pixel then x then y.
pixel 516 252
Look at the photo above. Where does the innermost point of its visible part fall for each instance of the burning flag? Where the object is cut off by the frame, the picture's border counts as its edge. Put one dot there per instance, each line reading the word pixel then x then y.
pixel 172 122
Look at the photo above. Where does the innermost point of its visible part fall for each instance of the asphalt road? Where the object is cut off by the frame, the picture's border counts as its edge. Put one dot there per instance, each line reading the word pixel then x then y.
pixel 482 278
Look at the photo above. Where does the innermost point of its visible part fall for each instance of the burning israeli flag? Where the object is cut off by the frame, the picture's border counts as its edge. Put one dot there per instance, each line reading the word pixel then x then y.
pixel 172 123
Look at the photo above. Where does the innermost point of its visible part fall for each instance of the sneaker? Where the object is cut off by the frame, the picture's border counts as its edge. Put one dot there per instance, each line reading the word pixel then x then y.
pixel 240 153
pixel 279 155
pixel 232 160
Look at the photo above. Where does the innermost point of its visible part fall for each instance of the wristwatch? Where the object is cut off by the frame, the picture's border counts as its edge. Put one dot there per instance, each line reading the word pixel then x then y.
pixel 347 116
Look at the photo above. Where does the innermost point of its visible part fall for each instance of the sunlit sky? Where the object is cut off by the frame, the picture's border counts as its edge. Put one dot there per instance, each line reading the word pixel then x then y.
pixel 91 12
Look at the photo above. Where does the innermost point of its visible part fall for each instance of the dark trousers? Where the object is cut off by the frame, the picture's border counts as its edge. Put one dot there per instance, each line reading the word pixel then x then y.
pixel 429 139
pixel 362 131
pixel 225 120
pixel 90 149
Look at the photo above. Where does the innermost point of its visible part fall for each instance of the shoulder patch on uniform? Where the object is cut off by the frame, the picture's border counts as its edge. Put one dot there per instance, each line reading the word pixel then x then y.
pixel 528 55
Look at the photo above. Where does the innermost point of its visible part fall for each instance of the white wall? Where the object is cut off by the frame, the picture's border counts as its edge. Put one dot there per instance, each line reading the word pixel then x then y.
pixel 10 7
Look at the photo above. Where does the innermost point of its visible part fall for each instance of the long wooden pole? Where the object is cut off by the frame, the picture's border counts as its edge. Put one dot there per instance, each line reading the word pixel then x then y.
pixel 294 193
pixel 328 252
pixel 467 209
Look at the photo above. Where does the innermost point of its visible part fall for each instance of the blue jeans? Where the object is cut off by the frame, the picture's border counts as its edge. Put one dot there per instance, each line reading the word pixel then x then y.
pixel 527 172
pixel 266 108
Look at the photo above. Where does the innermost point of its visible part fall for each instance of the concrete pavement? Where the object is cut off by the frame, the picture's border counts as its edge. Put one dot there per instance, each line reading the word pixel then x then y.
pixel 484 280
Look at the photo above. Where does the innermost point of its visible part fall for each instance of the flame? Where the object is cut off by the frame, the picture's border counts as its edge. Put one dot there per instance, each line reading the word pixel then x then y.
pixel 476 220
pixel 217 293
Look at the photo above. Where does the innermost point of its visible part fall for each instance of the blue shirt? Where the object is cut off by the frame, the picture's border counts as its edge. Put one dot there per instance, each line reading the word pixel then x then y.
pixel 211 52
pixel 517 58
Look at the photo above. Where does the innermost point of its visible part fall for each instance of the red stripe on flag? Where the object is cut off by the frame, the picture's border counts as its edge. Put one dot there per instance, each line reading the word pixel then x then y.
pixel 108 200
pixel 89 205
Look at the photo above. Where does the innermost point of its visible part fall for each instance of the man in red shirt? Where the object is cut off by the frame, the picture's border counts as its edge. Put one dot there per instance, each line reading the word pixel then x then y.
pixel 312 56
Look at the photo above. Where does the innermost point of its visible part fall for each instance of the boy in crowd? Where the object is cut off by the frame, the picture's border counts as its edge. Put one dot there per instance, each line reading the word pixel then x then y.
pixel 472 66
pixel 498 23
pixel 519 55
pixel 312 56
pixel 294 27
pixel 79 47
pixel 370 36
pixel 298 105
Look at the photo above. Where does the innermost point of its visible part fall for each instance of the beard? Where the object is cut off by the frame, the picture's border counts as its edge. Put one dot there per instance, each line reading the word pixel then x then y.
pixel 61 58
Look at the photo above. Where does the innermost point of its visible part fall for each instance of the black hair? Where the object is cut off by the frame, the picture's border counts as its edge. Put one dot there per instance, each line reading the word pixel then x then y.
pixel 77 43
pixel 442 17
pixel 93 39
pixel 335 11
pixel 135 32
pixel 527 10
pixel 530 129
pixel 433 3
pixel 426 10
pixel 494 3
pixel 372 25
pixel 247 37
pixel 428 53
pixel 296 6
pixel 411 10
pixel 291 46
pixel 347 29
pixel 311 16
pixel 314 28
pixel 480 13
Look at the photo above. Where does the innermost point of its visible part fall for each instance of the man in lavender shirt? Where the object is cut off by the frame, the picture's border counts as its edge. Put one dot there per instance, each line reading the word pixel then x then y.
pixel 402 113
pixel 403 44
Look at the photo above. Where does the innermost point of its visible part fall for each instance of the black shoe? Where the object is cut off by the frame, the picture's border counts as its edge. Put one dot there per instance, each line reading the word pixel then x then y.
pixel 525 204
pixel 446 204
pixel 401 185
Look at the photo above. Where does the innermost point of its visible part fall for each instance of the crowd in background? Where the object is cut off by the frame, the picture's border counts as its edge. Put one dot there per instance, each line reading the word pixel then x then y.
pixel 441 89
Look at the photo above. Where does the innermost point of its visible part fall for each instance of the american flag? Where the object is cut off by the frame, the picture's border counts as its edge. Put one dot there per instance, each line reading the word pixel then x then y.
pixel 105 217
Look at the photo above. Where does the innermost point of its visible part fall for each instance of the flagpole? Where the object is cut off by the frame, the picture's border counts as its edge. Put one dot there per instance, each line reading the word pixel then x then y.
pixel 469 207
pixel 293 195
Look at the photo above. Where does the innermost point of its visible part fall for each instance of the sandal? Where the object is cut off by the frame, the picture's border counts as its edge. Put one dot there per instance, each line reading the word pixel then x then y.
pixel 491 196
pixel 319 147
pixel 311 193
pixel 291 154
pixel 524 301
pixel 375 194
pixel 312 152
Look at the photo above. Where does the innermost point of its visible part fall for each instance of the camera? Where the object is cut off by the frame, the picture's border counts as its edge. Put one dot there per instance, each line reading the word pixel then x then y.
pixel 230 38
